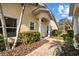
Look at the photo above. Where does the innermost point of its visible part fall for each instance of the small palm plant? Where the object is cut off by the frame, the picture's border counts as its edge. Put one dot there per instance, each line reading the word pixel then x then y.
pixel 58 47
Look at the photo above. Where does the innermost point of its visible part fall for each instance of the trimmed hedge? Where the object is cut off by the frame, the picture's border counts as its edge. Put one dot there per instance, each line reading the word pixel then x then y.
pixel 28 37
pixel 55 32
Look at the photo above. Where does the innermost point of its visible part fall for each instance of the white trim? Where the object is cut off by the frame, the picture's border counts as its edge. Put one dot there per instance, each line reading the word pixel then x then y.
pixel 40 18
pixel 41 4
pixel 42 9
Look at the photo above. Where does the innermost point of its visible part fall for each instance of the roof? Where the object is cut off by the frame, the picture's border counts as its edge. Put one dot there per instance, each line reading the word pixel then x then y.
pixel 44 7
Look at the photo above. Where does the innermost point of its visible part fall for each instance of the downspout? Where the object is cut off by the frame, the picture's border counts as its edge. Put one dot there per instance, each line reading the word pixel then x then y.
pixel 19 25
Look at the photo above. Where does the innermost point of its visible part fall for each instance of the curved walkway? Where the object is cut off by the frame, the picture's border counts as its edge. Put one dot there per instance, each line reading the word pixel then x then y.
pixel 51 48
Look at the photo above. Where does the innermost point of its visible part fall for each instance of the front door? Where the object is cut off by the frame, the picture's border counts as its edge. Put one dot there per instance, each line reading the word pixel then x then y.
pixel 43 29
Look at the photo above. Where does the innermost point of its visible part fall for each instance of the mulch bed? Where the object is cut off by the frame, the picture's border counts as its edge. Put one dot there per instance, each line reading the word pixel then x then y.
pixel 69 51
pixel 23 49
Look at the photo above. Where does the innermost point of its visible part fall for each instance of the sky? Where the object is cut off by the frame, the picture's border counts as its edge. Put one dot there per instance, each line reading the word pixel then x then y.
pixel 60 10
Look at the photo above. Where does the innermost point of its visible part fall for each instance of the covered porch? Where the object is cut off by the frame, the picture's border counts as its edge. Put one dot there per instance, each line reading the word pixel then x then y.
pixel 43 17
pixel 74 12
pixel 44 27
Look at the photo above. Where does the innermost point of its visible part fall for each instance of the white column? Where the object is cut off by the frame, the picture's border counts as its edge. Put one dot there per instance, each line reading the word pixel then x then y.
pixel 40 18
pixel 49 29
pixel 75 29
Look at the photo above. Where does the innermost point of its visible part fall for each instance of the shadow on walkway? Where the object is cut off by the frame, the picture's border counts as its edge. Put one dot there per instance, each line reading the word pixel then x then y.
pixel 57 45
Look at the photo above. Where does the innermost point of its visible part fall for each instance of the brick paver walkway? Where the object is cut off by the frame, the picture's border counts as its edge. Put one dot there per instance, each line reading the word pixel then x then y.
pixel 47 49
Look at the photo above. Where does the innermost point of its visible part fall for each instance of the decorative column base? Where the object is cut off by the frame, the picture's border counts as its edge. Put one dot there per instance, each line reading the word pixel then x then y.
pixel 49 29
pixel 48 35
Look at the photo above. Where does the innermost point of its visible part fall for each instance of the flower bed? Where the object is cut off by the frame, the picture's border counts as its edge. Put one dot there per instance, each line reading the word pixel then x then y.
pixel 23 49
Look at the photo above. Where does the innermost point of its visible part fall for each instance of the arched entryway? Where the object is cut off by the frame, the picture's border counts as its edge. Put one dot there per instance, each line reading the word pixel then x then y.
pixel 44 27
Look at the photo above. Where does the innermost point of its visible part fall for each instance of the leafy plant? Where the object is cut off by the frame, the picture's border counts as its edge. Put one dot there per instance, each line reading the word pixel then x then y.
pixel 63 22
pixel 68 37
pixel 1 42
pixel 77 38
pixel 70 33
pixel 54 32
pixel 28 37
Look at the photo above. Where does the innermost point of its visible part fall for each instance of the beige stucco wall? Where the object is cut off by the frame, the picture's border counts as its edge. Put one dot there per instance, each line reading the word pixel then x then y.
pixel 53 24
pixel 28 17
pixel 13 10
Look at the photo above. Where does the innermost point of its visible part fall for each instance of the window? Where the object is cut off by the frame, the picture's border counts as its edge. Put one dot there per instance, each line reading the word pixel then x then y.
pixel 31 25
pixel 10 26
pixel 10 22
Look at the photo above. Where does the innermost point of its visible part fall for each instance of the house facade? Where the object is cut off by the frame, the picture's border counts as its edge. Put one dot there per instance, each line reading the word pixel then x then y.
pixel 36 18
pixel 74 12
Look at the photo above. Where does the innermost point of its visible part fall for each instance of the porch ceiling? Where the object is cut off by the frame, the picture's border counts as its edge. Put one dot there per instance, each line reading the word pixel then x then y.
pixel 71 9
pixel 74 10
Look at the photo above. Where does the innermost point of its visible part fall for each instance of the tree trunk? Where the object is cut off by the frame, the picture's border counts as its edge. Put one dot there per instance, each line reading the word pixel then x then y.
pixel 19 25
pixel 4 29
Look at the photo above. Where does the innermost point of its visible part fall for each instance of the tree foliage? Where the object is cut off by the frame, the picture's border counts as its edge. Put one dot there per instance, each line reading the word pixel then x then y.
pixel 65 22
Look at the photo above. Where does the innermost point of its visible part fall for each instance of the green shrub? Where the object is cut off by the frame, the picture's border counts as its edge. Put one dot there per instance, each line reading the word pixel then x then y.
pixel 70 33
pixel 1 42
pixel 68 38
pixel 64 36
pixel 28 37
pixel 69 41
pixel 77 38
pixel 55 33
